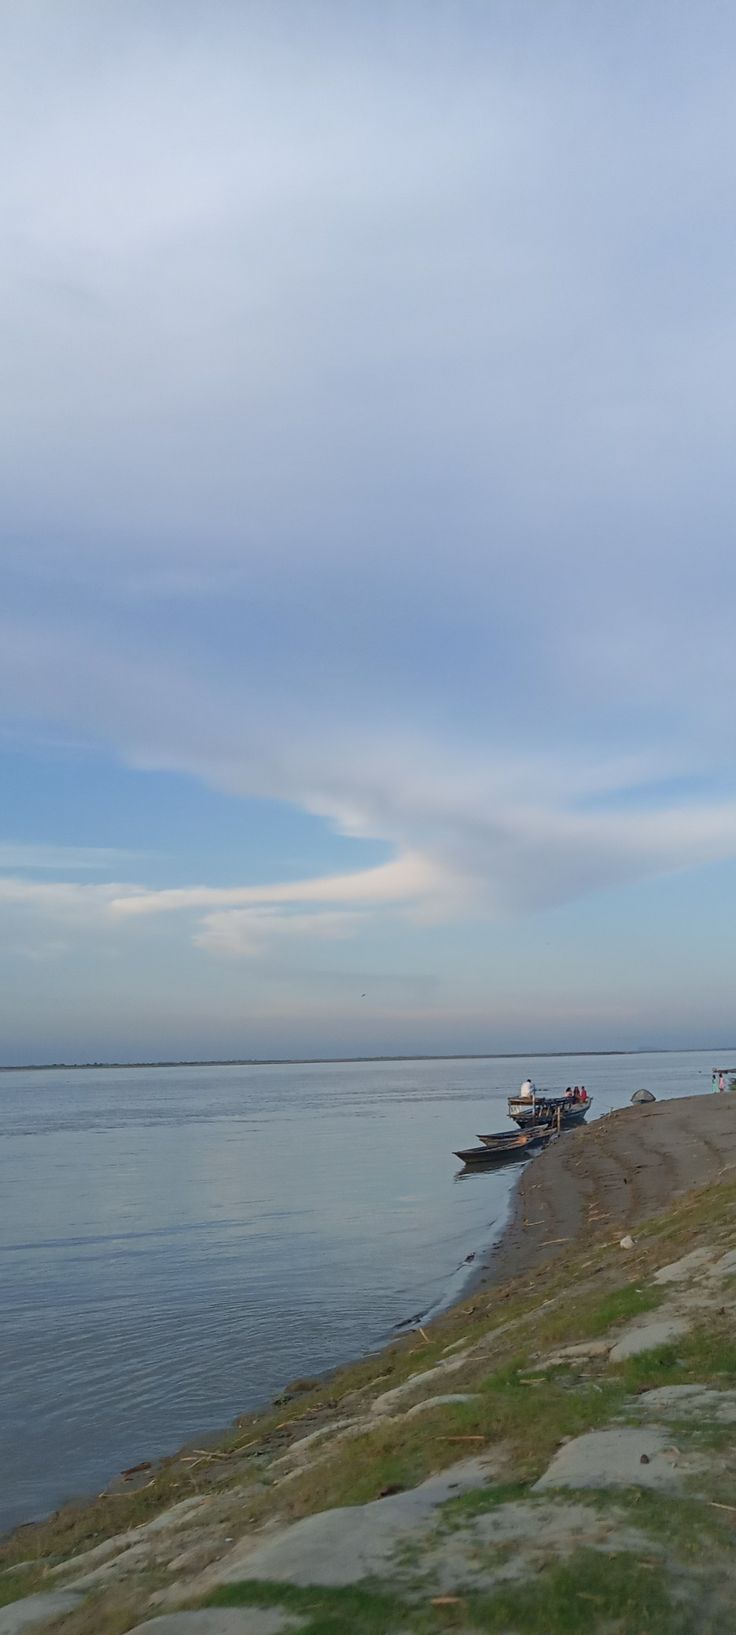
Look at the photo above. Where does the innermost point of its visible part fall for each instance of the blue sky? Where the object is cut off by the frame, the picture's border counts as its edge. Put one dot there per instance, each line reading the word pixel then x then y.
pixel 366 629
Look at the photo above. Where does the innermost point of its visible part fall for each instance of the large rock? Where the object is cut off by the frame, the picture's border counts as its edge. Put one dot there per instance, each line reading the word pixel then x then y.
pixel 682 1270
pixel 641 1096
pixel 342 1546
pixel 623 1457
pixel 36 1609
pixel 647 1337
pixel 690 1402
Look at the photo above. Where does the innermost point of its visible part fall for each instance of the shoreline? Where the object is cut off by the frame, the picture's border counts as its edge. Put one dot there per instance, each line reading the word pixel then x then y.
pixel 637 1161
pixel 623 1167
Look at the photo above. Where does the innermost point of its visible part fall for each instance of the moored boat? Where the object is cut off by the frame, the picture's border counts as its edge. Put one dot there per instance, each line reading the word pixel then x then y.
pixel 532 1107
pixel 490 1156
pixel 545 1110
pixel 507 1140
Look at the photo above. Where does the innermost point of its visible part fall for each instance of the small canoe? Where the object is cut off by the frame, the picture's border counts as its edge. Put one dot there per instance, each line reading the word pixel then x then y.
pixel 489 1156
pixel 504 1140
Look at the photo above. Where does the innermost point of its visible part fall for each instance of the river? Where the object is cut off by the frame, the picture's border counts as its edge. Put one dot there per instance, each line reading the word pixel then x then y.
pixel 177 1243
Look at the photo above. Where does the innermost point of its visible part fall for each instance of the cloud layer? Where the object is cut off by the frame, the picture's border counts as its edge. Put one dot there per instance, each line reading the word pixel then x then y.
pixel 366 446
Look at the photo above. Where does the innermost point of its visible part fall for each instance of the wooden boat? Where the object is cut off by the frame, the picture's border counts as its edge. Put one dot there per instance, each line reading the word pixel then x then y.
pixel 502 1150
pixel 556 1112
pixel 505 1140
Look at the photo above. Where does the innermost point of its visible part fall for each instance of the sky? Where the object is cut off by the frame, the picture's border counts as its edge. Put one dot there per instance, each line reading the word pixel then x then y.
pixel 367 489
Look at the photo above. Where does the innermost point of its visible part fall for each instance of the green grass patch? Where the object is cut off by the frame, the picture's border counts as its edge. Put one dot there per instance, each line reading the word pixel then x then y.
pixel 589 1592
pixel 533 1419
pixel 528 1421
pixel 588 1315
pixel 398 1455
pixel 704 1356
pixel 711 1435
pixel 361 1609
pixel 709 1352
pixel 620 1306
pixel 685 1525
pixel 690 1528
pixel 660 1366
pixel 456 1511
pixel 14 1585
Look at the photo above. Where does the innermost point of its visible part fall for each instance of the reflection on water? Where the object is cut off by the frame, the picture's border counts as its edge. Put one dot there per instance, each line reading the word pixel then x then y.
pixel 176 1244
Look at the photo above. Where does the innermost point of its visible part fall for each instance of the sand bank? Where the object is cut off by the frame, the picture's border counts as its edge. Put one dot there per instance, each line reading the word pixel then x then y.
pixel 623 1168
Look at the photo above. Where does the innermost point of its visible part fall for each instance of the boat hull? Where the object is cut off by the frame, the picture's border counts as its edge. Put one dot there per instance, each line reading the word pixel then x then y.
pixel 490 1158
pixel 507 1140
pixel 545 1111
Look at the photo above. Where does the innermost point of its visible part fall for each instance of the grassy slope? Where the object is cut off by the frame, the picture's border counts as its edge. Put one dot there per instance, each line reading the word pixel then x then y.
pixel 581 1296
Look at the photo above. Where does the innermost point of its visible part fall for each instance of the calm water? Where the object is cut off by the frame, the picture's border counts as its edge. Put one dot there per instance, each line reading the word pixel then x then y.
pixel 178 1243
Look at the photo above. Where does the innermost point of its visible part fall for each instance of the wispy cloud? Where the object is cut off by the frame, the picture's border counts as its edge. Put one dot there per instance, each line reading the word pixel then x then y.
pixel 407 878
pixel 71 859
pixel 483 863
pixel 255 932
pixel 64 900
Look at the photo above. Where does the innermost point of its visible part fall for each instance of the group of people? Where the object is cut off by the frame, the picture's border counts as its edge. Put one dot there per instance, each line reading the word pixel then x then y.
pixel 529 1090
pixel 718 1081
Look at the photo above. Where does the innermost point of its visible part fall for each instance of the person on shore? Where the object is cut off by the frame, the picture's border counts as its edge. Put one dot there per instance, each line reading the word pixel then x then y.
pixel 714 1081
pixel 721 1082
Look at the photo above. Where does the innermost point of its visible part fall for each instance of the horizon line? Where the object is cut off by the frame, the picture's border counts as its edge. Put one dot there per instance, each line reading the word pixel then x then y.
pixel 325 1061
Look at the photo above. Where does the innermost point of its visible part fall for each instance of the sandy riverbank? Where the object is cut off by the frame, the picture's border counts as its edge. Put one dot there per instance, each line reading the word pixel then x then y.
pixel 623 1168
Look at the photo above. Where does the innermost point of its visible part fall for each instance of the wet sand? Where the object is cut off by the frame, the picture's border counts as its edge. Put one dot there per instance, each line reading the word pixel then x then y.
pixel 610 1174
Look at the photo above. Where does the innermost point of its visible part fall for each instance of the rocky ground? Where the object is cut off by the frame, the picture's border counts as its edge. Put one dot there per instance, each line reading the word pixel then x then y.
pixel 553 1457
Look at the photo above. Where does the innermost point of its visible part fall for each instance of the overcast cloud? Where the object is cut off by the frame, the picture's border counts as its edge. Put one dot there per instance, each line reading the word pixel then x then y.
pixel 366 443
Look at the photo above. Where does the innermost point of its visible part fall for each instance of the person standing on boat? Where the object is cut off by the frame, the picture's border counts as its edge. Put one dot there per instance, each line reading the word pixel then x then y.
pixel 526 1092
pixel 583 1093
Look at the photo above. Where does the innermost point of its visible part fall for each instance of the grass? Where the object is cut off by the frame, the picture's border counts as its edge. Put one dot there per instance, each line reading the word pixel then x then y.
pixel 14 1585
pixel 706 1355
pixel 79 1527
pixel 589 1592
pixel 104 1613
pixel 363 1609
pixel 711 1435
pixel 620 1306
pixel 592 1314
pixel 688 1527
pixel 523 1424
pixel 531 1420
pixel 456 1511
